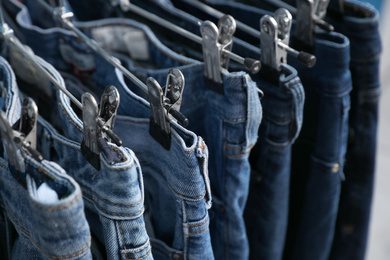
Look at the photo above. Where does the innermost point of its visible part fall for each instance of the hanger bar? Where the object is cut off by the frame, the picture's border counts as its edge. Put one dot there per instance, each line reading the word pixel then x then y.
pixel 10 39
pixel 253 65
pixel 63 17
pixel 305 58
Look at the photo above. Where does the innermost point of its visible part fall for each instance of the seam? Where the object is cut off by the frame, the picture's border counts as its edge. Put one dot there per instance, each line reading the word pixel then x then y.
pixel 40 247
pixel 122 169
pixel 108 202
pixel 123 237
pixel 71 121
pixel 200 223
pixel 59 207
pixel 120 153
pixel 188 196
pixel 188 239
pixel 236 156
pixel 198 231
pixel 3 166
pixel 138 250
pixel 112 213
pixel 237 148
pixel 150 250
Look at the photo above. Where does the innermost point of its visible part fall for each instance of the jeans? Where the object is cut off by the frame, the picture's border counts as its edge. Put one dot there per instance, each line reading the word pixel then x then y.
pixel 319 152
pixel 177 194
pixel 115 214
pixel 39 226
pixel 360 25
pixel 229 123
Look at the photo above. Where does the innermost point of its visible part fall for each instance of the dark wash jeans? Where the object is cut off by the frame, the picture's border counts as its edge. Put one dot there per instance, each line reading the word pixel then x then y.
pixel 177 194
pixel 267 206
pixel 319 152
pixel 34 226
pixel 360 24
pixel 229 123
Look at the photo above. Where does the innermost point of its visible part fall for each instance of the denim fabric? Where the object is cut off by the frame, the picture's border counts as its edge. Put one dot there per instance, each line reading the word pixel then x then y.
pixel 177 194
pixel 360 25
pixel 229 123
pixel 37 229
pixel 267 207
pixel 319 152
pixel 114 195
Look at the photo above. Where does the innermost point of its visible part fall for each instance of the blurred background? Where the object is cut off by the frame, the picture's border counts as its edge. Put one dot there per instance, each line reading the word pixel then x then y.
pixel 379 240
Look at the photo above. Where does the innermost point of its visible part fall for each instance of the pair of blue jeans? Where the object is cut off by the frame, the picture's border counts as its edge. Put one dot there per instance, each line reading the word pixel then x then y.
pixel 267 206
pixel 38 224
pixel 114 195
pixel 360 24
pixel 318 154
pixel 176 181
pixel 229 124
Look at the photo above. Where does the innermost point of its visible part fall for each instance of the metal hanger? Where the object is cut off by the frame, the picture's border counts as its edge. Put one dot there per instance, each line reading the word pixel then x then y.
pixel 309 14
pixel 282 41
pixel 104 121
pixel 20 140
pixel 212 65
pixel 162 112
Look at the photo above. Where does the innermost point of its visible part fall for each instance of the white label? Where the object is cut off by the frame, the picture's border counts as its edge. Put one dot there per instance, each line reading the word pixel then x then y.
pixel 123 39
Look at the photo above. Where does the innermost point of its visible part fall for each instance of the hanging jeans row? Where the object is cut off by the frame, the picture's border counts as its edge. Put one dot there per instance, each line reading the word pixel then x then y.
pixel 241 154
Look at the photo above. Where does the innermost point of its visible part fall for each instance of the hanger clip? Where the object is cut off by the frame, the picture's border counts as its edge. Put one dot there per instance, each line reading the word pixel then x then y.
pixel 310 14
pixel 214 41
pixel 108 109
pixel 165 105
pixel 98 124
pixel 21 139
pixel 274 32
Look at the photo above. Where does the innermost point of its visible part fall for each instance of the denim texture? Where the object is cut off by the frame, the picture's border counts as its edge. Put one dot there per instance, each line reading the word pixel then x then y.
pixel 266 210
pixel 319 153
pixel 229 124
pixel 237 115
pixel 360 24
pixel 177 194
pixel 37 229
pixel 114 195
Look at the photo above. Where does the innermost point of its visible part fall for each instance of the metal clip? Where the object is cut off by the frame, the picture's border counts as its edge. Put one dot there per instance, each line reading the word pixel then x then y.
pixel 108 109
pixel 271 54
pixel 99 123
pixel 165 106
pixel 308 12
pixel 160 128
pixel 211 51
pixel 89 145
pixel 226 29
pixel 21 139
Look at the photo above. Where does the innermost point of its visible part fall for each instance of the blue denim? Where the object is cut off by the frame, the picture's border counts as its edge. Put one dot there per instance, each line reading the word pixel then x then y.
pixel 318 155
pixel 113 196
pixel 266 212
pixel 319 152
pixel 38 229
pixel 177 194
pixel 360 25
pixel 229 123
